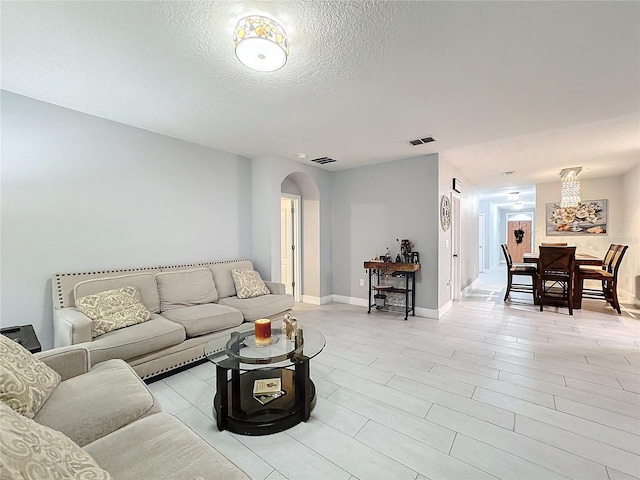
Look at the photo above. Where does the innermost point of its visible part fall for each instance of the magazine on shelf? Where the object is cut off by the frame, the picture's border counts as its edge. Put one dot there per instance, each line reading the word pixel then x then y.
pixel 266 386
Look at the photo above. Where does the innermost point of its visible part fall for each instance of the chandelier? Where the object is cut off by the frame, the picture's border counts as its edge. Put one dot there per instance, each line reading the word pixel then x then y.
pixel 261 43
pixel 570 192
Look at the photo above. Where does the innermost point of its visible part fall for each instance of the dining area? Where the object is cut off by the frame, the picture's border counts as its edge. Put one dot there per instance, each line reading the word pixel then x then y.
pixel 560 275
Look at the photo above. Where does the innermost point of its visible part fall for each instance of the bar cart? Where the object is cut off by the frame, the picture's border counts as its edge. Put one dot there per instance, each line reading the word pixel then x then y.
pixel 379 271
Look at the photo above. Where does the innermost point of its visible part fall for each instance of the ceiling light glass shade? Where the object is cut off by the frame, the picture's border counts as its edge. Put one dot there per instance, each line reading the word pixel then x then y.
pixel 570 192
pixel 518 206
pixel 513 196
pixel 261 43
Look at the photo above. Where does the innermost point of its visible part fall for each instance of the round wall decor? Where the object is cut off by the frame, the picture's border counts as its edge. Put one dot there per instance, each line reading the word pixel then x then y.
pixel 445 212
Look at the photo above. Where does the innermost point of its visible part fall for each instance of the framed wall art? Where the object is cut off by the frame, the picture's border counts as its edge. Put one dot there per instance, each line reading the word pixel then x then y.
pixel 588 218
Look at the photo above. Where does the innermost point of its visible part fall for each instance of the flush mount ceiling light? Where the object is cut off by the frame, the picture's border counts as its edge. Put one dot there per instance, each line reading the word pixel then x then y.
pixel 570 192
pixel 509 174
pixel 513 196
pixel 518 206
pixel 261 43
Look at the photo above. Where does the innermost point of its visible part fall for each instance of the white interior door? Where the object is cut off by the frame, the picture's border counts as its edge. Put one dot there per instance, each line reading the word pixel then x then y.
pixel 290 244
pixel 286 242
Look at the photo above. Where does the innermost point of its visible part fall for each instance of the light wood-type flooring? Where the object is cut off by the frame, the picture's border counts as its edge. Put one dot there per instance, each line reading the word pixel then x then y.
pixel 492 390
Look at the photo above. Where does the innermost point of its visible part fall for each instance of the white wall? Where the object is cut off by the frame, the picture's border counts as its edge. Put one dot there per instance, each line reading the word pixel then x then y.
pixel 629 275
pixel 468 254
pixel 82 193
pixel 268 172
pixel 609 188
pixel 623 220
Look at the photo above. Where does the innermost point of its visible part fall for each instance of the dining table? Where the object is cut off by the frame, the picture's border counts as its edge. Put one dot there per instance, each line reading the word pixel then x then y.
pixel 581 259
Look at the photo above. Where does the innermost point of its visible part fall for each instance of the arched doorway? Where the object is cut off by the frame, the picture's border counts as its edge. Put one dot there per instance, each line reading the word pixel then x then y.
pixel 300 237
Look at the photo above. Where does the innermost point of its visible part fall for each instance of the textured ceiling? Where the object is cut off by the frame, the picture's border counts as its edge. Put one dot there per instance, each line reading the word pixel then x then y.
pixel 531 87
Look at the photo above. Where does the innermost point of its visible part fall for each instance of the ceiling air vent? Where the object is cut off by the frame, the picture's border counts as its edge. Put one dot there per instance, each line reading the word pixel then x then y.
pixel 323 160
pixel 420 141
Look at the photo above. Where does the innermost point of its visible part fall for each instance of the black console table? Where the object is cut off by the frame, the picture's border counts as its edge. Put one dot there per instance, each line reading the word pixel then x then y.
pixel 406 270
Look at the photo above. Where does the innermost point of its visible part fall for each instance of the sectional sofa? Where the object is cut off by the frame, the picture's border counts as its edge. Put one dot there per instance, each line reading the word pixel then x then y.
pixel 62 418
pixel 188 305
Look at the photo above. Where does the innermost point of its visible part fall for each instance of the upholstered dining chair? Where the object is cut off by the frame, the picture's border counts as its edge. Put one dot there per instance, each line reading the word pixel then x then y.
pixel 556 276
pixel 523 269
pixel 607 275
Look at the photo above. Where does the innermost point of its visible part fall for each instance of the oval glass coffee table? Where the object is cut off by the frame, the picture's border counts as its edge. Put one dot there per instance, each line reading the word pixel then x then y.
pixel 240 363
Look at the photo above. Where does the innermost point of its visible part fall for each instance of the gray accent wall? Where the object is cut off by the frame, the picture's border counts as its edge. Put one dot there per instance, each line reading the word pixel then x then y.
pixel 375 205
pixel 82 193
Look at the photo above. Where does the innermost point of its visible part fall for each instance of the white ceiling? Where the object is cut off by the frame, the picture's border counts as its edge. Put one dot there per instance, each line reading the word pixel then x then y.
pixel 527 86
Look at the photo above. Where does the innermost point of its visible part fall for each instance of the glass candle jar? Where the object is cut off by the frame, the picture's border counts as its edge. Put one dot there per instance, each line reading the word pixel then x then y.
pixel 263 331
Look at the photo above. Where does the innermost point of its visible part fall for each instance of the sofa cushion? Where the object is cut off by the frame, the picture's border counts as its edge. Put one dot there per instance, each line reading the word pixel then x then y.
pixel 248 283
pixel 31 450
pixel 144 282
pixel 185 288
pixel 222 276
pixel 259 307
pixel 96 403
pixel 161 447
pixel 136 340
pixel 25 382
pixel 113 309
pixel 203 319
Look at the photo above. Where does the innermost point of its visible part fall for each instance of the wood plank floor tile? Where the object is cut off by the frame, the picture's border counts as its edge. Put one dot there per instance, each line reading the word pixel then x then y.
pixel 421 458
pixel 410 425
pixel 498 462
pixel 603 453
pixel 538 453
pixel 581 426
pixel 491 388
pixel 349 454
pixel 489 413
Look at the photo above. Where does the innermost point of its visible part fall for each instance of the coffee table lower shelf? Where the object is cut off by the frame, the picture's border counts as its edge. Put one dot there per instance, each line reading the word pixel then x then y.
pixel 244 415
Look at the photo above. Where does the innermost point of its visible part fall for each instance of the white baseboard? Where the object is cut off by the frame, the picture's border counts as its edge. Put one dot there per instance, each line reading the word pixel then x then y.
pixel 444 309
pixel 360 302
pixel 627 297
pixel 468 289
pixel 317 300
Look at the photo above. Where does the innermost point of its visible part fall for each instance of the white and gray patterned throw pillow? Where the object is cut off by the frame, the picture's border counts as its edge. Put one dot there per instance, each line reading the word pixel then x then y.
pixel 25 381
pixel 113 309
pixel 248 283
pixel 31 450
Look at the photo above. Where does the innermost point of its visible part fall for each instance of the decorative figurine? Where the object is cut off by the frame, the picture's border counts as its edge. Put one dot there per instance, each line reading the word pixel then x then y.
pixel 290 326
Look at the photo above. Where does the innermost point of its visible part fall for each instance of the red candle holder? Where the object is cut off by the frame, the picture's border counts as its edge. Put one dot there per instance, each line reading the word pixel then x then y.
pixel 263 331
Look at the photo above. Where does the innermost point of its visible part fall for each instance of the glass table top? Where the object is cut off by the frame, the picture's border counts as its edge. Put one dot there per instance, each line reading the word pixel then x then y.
pixel 238 350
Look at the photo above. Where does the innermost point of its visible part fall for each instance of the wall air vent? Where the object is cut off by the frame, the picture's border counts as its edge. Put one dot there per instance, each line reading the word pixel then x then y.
pixel 421 141
pixel 323 160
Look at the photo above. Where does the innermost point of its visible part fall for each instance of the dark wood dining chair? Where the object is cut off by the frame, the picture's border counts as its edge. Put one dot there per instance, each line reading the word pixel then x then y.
pixel 607 275
pixel 554 244
pixel 556 276
pixel 523 269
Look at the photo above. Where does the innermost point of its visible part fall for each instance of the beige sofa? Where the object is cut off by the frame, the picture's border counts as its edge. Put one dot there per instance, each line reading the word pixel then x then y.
pixel 189 304
pixel 110 413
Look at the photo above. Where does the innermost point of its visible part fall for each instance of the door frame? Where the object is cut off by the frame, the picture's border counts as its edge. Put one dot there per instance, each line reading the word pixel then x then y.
pixel 456 247
pixel 296 201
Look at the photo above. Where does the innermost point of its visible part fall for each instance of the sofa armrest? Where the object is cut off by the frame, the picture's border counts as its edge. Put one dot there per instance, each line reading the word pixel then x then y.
pixel 70 326
pixel 67 361
pixel 275 288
